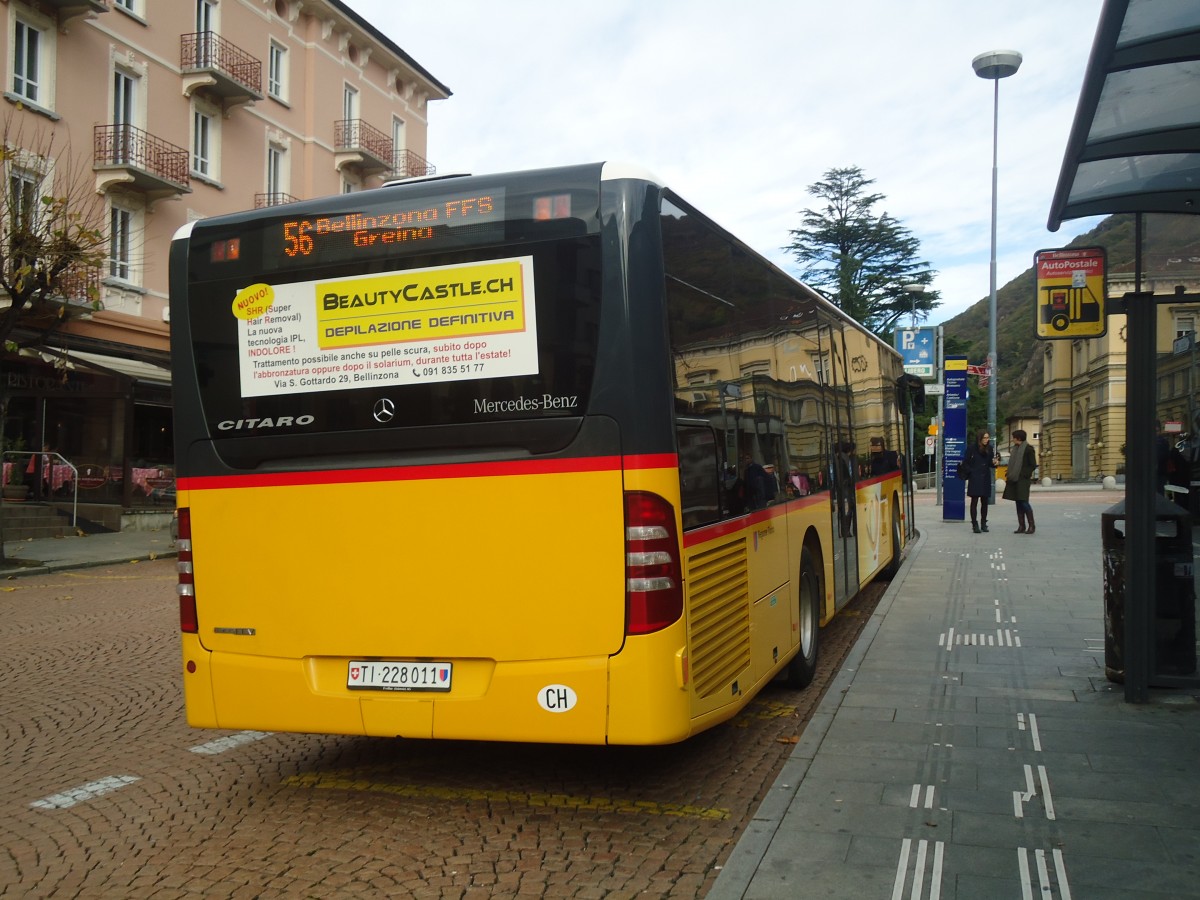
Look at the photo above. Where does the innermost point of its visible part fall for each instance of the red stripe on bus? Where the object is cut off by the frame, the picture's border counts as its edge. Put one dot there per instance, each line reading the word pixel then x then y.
pixel 652 461
pixel 732 526
pixel 430 472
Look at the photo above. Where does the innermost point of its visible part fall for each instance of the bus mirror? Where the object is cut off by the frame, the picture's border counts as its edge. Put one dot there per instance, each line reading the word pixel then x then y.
pixel 910 388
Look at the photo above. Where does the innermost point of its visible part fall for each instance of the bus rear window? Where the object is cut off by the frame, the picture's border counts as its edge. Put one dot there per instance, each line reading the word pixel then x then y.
pixel 496 333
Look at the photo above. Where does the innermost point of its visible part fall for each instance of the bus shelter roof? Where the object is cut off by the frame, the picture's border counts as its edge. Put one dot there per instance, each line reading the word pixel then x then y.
pixel 1134 146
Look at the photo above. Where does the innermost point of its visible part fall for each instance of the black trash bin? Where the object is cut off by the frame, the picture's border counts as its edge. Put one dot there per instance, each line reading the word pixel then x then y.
pixel 1175 605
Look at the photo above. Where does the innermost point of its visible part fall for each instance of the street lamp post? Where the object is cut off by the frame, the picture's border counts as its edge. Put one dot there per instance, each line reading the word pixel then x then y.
pixel 914 290
pixel 994 65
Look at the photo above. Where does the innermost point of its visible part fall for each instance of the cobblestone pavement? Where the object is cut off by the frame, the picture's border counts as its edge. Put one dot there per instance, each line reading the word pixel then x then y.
pixel 105 791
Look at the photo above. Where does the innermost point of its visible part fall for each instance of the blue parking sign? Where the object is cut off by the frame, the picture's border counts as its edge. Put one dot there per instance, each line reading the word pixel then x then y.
pixel 918 347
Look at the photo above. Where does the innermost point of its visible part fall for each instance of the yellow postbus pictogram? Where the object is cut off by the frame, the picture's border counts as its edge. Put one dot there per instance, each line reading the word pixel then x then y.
pixel 1070 293
pixel 423 304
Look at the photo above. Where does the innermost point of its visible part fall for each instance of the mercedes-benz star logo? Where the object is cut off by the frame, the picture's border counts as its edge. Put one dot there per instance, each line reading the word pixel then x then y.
pixel 385 410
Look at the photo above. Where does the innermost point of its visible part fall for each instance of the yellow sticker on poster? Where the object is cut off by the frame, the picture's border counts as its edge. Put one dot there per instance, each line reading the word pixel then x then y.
pixel 476 300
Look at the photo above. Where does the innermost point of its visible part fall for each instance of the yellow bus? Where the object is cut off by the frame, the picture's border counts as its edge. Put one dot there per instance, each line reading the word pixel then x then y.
pixel 543 456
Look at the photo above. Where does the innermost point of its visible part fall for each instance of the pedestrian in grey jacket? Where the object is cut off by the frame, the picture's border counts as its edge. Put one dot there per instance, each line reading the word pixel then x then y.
pixel 1021 463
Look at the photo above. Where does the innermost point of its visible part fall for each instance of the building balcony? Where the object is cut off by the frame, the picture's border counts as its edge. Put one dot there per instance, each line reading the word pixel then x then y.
pixel 211 64
pixel 359 146
pixel 262 201
pixel 125 156
pixel 73 9
pixel 406 164
pixel 80 286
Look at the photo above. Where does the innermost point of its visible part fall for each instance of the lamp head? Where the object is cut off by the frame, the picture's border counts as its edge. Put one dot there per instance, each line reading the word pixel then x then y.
pixel 996 64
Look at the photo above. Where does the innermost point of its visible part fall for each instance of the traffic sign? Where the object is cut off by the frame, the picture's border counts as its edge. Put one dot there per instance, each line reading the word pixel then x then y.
pixel 930 446
pixel 918 347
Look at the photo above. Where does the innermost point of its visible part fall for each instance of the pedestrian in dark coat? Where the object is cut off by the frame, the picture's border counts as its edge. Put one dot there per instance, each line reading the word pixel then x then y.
pixel 981 477
pixel 1021 463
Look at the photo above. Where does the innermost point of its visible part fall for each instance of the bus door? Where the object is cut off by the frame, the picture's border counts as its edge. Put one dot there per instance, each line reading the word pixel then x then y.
pixel 843 463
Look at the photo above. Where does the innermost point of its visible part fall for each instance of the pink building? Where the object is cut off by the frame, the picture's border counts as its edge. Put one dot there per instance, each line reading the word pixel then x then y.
pixel 181 109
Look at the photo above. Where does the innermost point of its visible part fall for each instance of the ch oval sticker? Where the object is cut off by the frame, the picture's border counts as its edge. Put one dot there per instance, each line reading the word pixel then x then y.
pixel 557 698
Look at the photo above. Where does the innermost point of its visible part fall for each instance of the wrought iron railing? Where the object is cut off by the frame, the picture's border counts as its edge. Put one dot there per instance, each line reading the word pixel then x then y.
pixel 276 199
pixel 208 50
pixel 125 145
pixel 406 164
pixel 355 134
pixel 80 284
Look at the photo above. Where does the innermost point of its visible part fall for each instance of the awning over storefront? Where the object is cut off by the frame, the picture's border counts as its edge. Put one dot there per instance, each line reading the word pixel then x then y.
pixel 1135 143
pixel 130 368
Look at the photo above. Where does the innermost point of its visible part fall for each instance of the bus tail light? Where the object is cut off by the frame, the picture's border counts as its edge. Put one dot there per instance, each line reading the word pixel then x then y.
pixel 186 588
pixel 653 574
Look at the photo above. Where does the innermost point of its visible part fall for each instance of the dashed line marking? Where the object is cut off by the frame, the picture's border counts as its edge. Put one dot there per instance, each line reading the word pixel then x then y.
pixel 914 800
pixel 1045 887
pixel 918 883
pixel 1004 637
pixel 1020 798
pixel 89 791
pixel 1033 730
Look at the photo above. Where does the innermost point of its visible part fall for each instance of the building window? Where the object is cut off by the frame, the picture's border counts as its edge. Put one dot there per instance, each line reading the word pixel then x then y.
pixel 130 6
pixel 277 71
pixel 349 102
pixel 205 16
pixel 23 189
pixel 124 86
pixel 1185 323
pixel 31 44
pixel 202 139
pixel 276 173
pixel 120 265
pixel 27 53
pixel 824 368
pixel 205 137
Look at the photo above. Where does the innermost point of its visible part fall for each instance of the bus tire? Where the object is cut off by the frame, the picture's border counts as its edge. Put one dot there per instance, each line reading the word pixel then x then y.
pixel 803 666
pixel 893 568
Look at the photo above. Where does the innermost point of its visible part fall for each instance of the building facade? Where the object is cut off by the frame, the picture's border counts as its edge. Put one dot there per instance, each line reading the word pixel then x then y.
pixel 178 110
pixel 1084 381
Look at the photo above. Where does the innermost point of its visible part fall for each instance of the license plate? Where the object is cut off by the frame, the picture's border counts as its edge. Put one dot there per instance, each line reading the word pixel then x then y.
pixel 393 675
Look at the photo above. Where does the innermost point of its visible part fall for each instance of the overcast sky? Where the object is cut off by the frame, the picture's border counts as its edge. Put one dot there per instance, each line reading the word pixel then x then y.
pixel 740 106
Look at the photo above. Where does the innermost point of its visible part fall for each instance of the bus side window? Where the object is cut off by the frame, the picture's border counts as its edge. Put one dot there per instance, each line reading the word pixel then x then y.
pixel 699 479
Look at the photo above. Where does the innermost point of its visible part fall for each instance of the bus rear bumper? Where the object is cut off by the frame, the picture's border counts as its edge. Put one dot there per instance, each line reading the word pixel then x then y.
pixel 557 701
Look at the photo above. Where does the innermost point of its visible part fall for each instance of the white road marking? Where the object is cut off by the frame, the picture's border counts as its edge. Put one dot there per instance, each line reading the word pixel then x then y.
pixel 220 745
pixel 88 791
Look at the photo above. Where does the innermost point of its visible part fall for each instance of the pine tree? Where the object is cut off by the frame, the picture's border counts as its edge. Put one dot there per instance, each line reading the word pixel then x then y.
pixel 861 261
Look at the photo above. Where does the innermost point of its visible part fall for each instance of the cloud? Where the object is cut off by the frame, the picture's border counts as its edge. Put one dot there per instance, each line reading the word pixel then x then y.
pixel 740 107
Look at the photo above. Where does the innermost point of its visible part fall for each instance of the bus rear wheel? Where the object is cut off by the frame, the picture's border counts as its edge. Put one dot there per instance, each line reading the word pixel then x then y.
pixel 803 666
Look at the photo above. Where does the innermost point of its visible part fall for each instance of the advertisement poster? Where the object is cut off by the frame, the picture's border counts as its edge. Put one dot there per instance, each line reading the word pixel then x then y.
pixel 446 323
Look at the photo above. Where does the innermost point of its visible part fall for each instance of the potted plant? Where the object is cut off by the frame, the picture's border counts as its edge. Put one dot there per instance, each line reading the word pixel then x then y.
pixel 14 487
